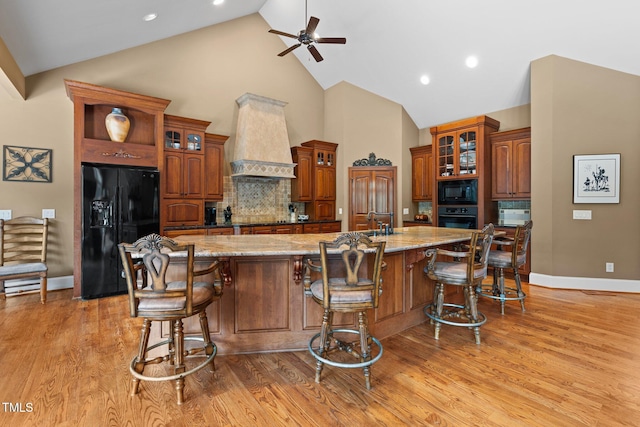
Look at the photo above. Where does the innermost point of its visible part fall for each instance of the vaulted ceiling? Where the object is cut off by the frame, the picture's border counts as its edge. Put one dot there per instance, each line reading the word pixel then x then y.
pixel 390 44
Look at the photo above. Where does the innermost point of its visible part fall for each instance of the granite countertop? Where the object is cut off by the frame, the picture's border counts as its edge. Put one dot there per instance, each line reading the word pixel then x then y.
pixel 403 239
pixel 244 224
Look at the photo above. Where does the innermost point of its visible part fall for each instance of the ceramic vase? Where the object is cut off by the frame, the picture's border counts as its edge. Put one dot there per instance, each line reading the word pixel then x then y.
pixel 117 125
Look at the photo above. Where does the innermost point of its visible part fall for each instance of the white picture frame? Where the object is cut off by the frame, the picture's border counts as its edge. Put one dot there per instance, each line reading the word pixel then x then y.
pixel 596 178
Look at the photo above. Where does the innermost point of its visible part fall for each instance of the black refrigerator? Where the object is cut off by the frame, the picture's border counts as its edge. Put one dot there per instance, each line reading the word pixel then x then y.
pixel 120 204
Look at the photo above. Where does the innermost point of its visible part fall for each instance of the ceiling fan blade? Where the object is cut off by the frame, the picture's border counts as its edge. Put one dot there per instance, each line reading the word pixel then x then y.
pixel 280 33
pixel 284 52
pixel 311 26
pixel 339 40
pixel 314 52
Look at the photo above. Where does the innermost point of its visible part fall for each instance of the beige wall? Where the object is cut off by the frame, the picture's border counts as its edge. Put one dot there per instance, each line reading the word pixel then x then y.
pixel 362 123
pixel 577 108
pixel 202 72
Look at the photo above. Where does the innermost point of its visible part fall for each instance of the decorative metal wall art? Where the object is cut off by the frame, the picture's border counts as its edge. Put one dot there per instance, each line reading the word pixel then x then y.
pixel 596 178
pixel 26 164
pixel 372 161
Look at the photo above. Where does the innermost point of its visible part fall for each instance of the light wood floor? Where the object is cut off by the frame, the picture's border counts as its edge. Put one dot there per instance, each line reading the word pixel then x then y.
pixel 572 359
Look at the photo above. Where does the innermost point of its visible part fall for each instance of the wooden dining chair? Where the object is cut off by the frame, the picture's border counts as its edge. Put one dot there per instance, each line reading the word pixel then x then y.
pixel 158 294
pixel 23 252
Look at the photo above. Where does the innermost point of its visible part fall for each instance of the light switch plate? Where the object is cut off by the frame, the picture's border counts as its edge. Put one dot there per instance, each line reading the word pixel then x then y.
pixel 339 211
pixel 405 211
pixel 578 214
pixel 5 214
pixel 48 213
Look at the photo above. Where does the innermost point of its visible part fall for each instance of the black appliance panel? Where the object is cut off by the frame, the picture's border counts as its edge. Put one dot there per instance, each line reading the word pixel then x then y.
pixel 458 217
pixel 458 192
pixel 119 204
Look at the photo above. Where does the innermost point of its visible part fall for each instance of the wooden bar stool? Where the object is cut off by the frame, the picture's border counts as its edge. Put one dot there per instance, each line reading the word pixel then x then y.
pixel 468 269
pixel 346 288
pixel 511 254
pixel 168 300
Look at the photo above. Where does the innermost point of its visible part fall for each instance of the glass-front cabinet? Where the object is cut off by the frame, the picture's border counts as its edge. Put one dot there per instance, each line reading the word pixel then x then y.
pixel 456 154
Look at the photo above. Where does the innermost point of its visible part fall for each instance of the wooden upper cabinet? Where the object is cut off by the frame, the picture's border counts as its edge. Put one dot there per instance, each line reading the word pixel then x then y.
pixel 302 186
pixel 511 164
pixel 460 147
pixel 183 171
pixel 422 173
pixel 92 104
pixel 325 183
pixel 315 178
pixel 184 134
pixel 214 166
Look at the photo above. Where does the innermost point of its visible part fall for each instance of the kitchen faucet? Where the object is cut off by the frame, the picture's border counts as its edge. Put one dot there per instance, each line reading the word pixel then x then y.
pixel 374 215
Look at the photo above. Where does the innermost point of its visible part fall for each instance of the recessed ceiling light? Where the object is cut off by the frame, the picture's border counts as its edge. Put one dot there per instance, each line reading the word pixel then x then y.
pixel 217 2
pixel 424 79
pixel 149 17
pixel 472 62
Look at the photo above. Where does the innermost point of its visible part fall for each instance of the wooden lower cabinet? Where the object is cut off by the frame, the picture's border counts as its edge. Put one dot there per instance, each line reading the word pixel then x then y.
pixel 186 212
pixel 189 232
pixel 273 229
pixel 265 309
pixel 221 231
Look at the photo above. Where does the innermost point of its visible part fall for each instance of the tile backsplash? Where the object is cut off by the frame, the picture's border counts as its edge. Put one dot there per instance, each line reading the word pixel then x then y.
pixel 514 204
pixel 256 199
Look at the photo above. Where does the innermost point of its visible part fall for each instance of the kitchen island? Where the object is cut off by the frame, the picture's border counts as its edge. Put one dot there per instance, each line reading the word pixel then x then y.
pixel 264 307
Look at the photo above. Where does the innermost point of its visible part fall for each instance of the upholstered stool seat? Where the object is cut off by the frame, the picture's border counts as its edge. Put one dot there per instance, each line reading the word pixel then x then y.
pixel 468 269
pixel 168 300
pixel 345 287
pixel 511 254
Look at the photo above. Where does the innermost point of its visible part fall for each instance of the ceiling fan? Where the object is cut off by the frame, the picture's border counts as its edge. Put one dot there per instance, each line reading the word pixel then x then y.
pixel 307 37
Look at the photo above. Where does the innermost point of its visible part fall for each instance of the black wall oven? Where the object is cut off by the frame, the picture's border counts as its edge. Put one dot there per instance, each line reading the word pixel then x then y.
pixel 458 217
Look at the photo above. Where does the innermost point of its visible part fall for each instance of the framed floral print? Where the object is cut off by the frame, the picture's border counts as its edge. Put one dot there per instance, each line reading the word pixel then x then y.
pixel 596 178
pixel 26 164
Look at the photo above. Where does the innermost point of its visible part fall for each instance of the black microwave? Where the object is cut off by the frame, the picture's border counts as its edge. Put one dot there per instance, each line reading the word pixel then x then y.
pixel 459 192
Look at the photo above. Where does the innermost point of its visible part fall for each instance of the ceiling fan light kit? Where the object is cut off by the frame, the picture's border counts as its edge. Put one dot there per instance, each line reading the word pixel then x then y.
pixel 306 37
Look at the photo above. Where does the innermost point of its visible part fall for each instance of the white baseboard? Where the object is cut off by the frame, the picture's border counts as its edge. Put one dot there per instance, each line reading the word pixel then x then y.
pixel 53 283
pixel 585 283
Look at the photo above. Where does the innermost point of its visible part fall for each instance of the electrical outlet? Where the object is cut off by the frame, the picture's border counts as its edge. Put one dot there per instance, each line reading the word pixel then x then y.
pixel 339 211
pixel 5 214
pixel 405 211
pixel 48 213
pixel 609 267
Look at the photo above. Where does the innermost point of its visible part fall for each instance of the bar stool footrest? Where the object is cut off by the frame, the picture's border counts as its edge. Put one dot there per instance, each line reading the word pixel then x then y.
pixel 330 362
pixel 457 313
pixel 143 377
pixel 510 294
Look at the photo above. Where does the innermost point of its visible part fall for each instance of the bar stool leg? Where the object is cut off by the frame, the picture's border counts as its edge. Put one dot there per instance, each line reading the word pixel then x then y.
pixel 206 336
pixel 324 341
pixel 439 303
pixel 521 294
pixel 178 341
pixel 142 351
pixel 503 295
pixel 364 347
pixel 472 308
